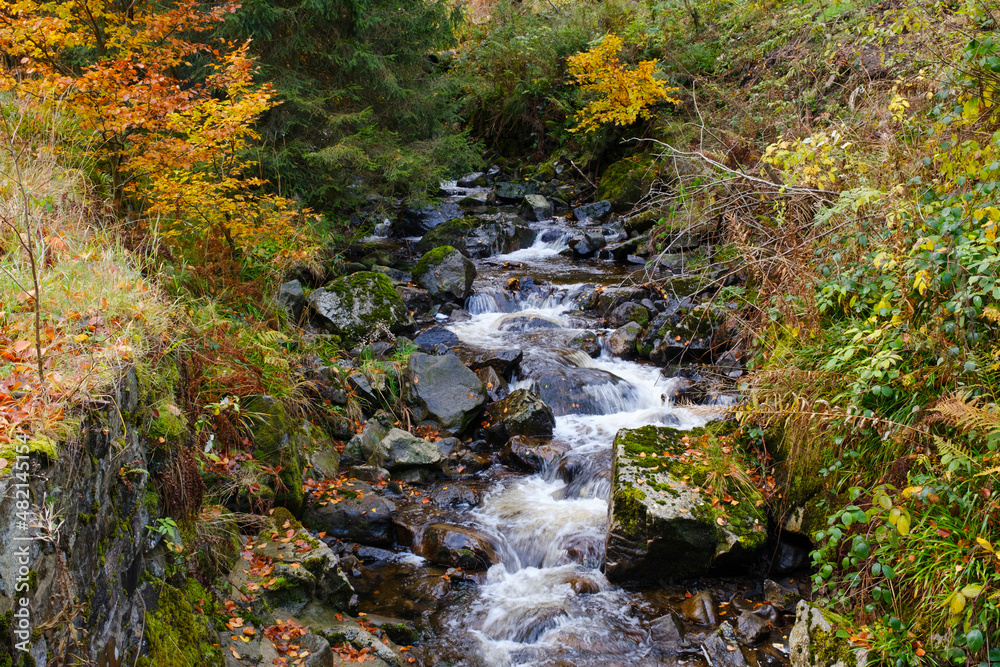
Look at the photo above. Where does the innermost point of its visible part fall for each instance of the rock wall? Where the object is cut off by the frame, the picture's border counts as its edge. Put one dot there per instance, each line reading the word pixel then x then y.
pixel 72 523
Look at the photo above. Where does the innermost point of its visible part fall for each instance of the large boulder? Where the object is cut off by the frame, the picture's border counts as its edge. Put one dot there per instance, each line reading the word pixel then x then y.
pixel 275 442
pixel 418 221
pixel 522 412
pixel 531 453
pixel 400 449
pixel 446 274
pixel 626 182
pixel 662 519
pixel 585 245
pixel 359 304
pixel 444 390
pixel 536 208
pixel 512 192
pixel 596 213
pixel 352 511
pixel 475 237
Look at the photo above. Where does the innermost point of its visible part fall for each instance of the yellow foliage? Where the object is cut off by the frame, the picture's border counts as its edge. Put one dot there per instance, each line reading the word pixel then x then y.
pixel 625 94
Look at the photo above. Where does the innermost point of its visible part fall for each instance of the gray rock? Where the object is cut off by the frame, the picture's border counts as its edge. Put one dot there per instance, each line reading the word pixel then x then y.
pixel 444 390
pixel 595 213
pixel 531 453
pixel 505 361
pixel 700 609
pixel 722 653
pixel 360 515
pixel 536 208
pixel 790 557
pixel 667 632
pixel 496 386
pixel 369 473
pixel 400 449
pixel 359 448
pixel 629 311
pixel 357 305
pixel 473 180
pixel 292 298
pixel 813 641
pixel 446 274
pixel 431 337
pixel 621 343
pixel 585 245
pixel 587 342
pixel 751 628
pixel 513 192
pixel 523 412
pixel 418 221
pixel 783 593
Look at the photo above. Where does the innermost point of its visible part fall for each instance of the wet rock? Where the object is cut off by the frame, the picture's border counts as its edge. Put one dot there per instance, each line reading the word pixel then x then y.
pixel 813 641
pixel 622 341
pixel 292 298
pixel 457 546
pixel 415 476
pixel 700 609
pixel 722 653
pixel 496 386
pixel 783 593
pixel 359 515
pixel 790 556
pixel 667 633
pixel 418 221
pixel 767 612
pixel 446 274
pixel 276 442
pixel 630 311
pixel 536 208
pixel 596 213
pixel 518 322
pixel 695 334
pixel 531 454
pixel 476 179
pixel 359 448
pixel 371 389
pixel 504 361
pixel 397 630
pixel 513 192
pixel 356 305
pixel 400 449
pixel 585 245
pixel 660 525
pixel 326 624
pixel 587 342
pixel 620 252
pixel 522 413
pixel 442 389
pixel 416 300
pixel 433 336
pixel 639 224
pixel 369 473
pixel 457 494
pixel 751 628
pixel 584 391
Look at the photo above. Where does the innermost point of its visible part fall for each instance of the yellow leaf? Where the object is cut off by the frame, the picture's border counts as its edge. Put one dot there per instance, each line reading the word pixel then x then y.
pixel 957 603
pixel 903 525
pixel 984 544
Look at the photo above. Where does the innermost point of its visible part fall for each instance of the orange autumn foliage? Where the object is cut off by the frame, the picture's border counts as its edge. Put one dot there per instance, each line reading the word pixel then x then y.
pixel 170 145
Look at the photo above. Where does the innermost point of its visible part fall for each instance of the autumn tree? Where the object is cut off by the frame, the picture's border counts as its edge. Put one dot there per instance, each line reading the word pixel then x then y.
pixel 624 94
pixel 168 137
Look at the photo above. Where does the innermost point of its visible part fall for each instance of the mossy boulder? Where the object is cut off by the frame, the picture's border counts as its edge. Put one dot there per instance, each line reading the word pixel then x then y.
pixel 275 441
pixel 177 635
pixel 447 233
pixel 445 273
pixel 626 182
pixel 359 304
pixel 664 522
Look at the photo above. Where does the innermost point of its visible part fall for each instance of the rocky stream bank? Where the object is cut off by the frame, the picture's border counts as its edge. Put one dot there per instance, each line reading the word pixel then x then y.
pixel 530 469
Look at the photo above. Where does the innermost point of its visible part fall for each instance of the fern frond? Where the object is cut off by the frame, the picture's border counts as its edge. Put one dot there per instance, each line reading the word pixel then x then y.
pixel 953 448
pixel 962 411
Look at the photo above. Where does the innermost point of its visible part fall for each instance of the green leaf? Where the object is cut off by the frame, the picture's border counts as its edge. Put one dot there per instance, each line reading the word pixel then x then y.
pixel 974 640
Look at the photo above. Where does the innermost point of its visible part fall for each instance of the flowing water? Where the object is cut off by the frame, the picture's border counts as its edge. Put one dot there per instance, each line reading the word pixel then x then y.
pixel 547 601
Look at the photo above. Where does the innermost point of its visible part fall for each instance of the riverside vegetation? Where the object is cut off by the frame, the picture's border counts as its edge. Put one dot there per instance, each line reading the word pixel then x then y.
pixel 242 397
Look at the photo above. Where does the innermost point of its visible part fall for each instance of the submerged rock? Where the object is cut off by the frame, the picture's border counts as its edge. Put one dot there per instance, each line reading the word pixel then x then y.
pixel 442 389
pixel 446 274
pixel 357 305
pixel 661 522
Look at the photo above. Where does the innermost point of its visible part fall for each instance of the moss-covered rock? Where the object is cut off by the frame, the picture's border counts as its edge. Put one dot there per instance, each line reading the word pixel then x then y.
pixel 177 634
pixel 813 641
pixel 663 520
pixel 274 435
pixel 445 273
pixel 626 182
pixel 447 233
pixel 357 305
